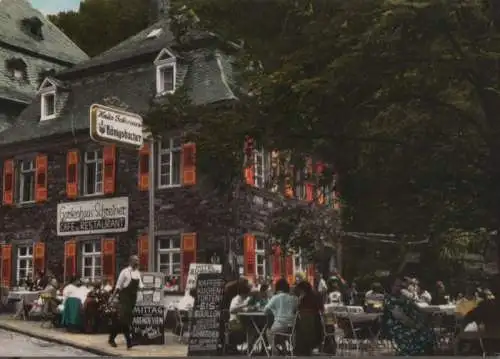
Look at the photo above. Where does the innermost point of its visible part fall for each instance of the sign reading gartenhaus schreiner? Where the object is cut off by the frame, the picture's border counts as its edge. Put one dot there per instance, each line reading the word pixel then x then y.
pixel 98 216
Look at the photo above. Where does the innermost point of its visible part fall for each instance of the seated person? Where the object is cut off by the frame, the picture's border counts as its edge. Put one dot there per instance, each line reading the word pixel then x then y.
pixel 238 304
pixel 283 307
pixel 259 298
pixel 334 295
pixel 467 303
pixel 374 298
pixel 187 302
pixel 485 315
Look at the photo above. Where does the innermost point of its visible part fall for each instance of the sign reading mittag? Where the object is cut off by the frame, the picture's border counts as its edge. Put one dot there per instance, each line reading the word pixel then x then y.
pixel 92 217
pixel 111 125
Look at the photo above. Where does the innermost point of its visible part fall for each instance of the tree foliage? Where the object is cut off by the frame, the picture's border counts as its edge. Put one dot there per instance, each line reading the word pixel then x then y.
pixel 401 95
pixel 100 24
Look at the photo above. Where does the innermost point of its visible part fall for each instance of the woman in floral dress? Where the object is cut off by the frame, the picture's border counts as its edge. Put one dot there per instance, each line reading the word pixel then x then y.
pixel 406 324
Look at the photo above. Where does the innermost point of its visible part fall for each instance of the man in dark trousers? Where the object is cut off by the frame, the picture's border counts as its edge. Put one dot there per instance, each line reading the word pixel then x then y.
pixel 127 286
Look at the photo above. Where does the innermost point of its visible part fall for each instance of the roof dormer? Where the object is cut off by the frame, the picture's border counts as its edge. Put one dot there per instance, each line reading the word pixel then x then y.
pixel 48 99
pixel 32 26
pixel 166 72
pixel 17 69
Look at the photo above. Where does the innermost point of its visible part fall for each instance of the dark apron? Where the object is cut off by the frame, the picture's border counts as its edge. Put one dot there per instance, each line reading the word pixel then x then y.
pixel 128 298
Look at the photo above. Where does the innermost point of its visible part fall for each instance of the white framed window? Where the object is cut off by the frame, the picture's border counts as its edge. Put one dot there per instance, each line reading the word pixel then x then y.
pixel 166 71
pixel 91 260
pixel 27 175
pixel 169 162
pixel 165 78
pixel 298 263
pixel 48 105
pixel 168 255
pixel 261 167
pixel 300 186
pixel 260 258
pixel 24 264
pixel 92 173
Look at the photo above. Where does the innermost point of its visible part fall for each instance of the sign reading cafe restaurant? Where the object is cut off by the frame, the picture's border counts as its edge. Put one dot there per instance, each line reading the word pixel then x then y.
pixel 98 216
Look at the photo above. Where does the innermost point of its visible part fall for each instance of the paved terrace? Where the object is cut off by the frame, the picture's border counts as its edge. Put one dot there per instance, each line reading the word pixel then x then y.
pixel 94 343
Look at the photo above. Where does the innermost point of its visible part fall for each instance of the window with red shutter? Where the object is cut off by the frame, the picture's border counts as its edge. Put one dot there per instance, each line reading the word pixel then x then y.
pixel 38 257
pixel 188 255
pixel 41 178
pixel 6 265
pixel 109 164
pixel 189 164
pixel 249 256
pixel 144 168
pixel 69 259
pixel 8 182
pixel 143 251
pixel 108 253
pixel 72 174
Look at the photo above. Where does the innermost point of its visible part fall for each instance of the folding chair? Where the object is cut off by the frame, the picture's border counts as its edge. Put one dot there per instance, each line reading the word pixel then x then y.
pixel 328 335
pixel 183 320
pixel 289 336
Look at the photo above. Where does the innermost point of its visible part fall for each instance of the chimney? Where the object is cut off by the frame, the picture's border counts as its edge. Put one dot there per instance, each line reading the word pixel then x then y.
pixel 158 10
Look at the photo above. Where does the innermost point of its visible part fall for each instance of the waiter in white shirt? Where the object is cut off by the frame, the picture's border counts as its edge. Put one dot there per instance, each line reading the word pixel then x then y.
pixel 128 284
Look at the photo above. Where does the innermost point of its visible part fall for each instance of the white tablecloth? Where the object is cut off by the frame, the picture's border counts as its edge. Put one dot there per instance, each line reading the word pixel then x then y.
pixel 448 308
pixel 25 295
pixel 335 308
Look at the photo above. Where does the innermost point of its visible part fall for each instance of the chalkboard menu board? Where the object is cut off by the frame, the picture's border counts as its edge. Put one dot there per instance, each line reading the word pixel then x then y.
pixel 206 330
pixel 148 324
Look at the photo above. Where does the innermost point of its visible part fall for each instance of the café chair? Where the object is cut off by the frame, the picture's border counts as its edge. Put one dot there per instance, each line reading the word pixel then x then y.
pixel 288 335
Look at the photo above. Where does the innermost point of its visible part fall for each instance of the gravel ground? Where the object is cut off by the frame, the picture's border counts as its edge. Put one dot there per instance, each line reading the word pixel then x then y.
pixel 14 344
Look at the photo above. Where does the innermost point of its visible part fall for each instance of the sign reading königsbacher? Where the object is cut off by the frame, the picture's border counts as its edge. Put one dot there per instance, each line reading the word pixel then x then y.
pixel 110 125
pixel 98 216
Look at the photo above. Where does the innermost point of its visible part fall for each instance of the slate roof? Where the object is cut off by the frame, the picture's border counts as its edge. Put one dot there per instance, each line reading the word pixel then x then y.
pixel 205 72
pixel 55 43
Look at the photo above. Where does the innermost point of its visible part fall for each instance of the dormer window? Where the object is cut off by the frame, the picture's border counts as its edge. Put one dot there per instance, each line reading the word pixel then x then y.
pixel 33 27
pixel 48 99
pixel 48 105
pixel 165 72
pixel 17 69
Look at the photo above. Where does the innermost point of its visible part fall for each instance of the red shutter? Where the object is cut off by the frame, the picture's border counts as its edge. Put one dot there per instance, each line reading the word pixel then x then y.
pixel 336 201
pixel 309 192
pixel 310 274
pixel 144 168
pixel 72 174
pixel 143 250
pixel 189 164
pixel 41 178
pixel 249 176
pixel 320 195
pixel 289 269
pixel 109 164
pixel 38 257
pixel 6 265
pixel 108 253
pixel 276 263
pixel 289 182
pixel 249 165
pixel 188 256
pixel 69 259
pixel 249 256
pixel 8 182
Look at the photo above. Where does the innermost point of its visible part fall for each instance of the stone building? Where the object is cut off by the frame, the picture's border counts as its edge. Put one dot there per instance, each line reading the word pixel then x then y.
pixel 30 48
pixel 77 207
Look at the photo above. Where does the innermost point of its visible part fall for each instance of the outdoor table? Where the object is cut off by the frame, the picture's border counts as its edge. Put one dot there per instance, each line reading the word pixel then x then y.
pixel 256 318
pixel 335 308
pixel 22 297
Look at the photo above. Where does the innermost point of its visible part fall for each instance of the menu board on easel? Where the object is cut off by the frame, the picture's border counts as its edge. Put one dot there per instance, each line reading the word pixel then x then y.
pixel 148 320
pixel 206 330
